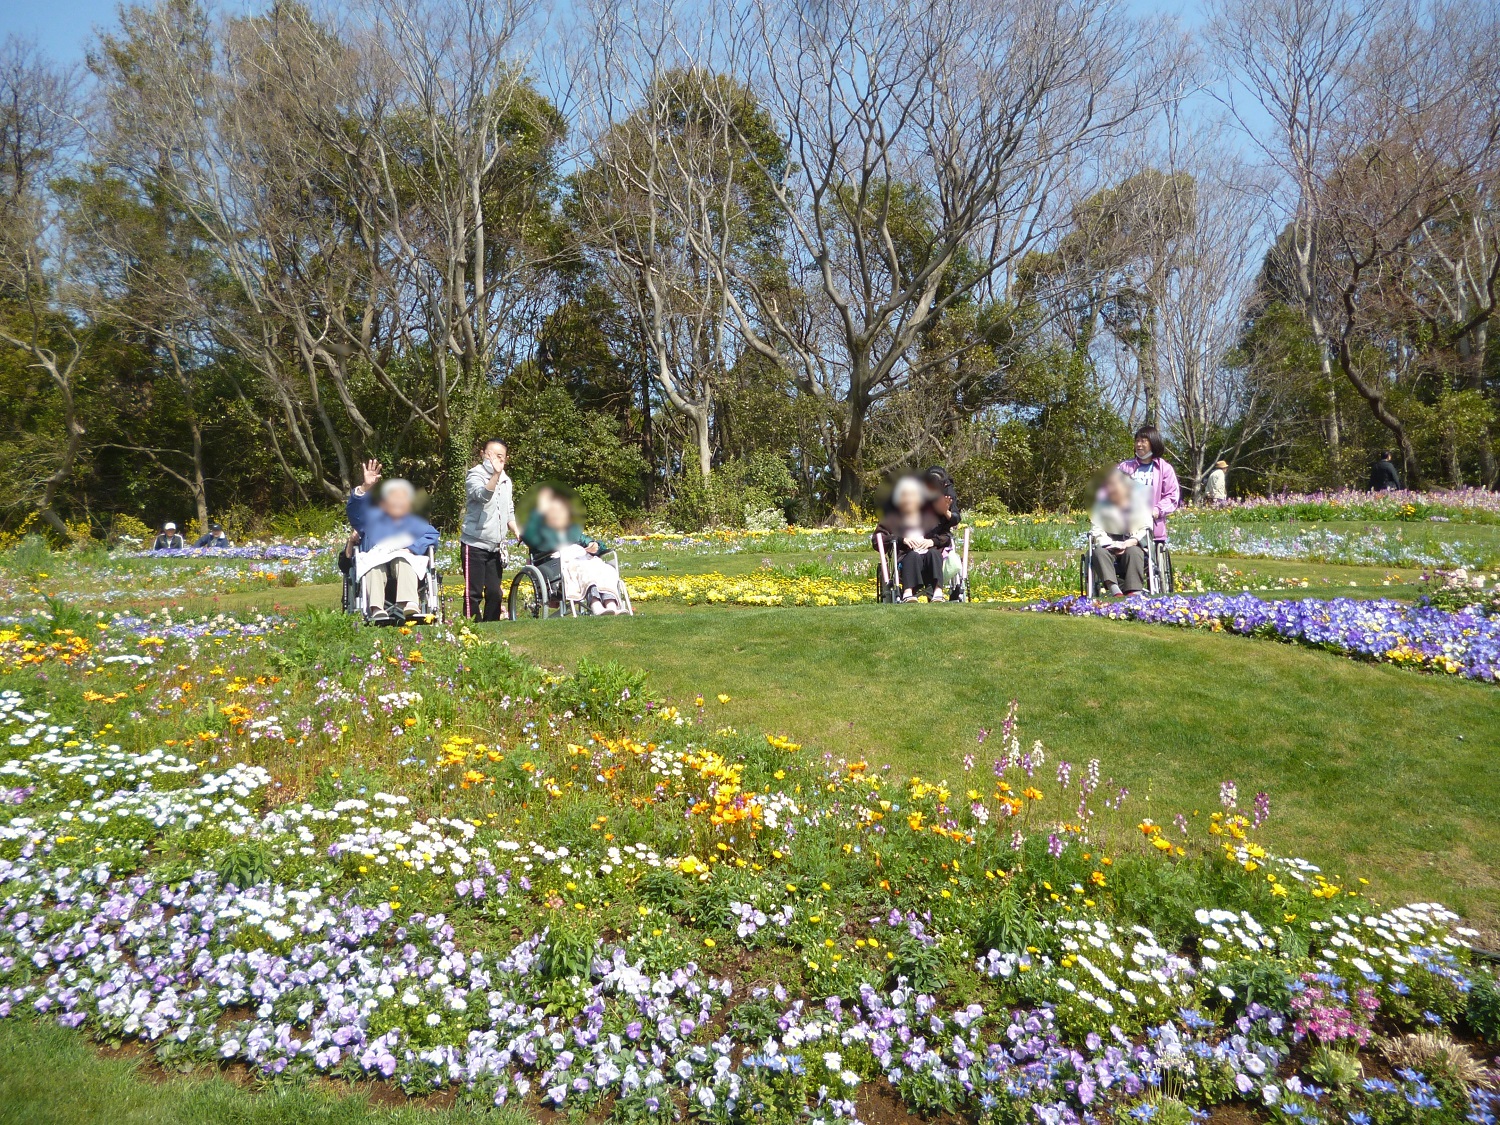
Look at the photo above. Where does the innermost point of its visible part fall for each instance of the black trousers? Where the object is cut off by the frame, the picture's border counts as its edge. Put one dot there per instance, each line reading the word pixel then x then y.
pixel 1127 570
pixel 919 569
pixel 482 572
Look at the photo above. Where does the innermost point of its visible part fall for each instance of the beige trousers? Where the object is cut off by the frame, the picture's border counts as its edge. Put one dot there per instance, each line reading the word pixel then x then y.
pixel 380 581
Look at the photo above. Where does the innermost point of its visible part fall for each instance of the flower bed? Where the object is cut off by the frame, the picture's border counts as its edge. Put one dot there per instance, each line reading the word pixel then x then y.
pixel 1464 643
pixel 558 891
pixel 1472 505
pixel 849 584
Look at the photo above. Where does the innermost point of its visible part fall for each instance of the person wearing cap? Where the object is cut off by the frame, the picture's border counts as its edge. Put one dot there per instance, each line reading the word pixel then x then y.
pixel 1217 493
pixel 169 539
pixel 213 537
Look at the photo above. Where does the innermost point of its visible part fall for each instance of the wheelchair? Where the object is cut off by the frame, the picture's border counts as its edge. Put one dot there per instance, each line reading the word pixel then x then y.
pixel 537 589
pixel 888 587
pixel 429 592
pixel 1159 578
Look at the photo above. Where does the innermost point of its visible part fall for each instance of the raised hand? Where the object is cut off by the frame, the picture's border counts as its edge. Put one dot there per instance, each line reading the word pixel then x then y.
pixel 372 474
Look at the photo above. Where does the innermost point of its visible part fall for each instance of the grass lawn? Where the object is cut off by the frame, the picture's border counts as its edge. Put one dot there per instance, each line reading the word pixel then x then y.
pixel 52 1076
pixel 1373 770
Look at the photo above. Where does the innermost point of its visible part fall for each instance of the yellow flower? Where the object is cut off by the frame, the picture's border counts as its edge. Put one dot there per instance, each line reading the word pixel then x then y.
pixel 723 698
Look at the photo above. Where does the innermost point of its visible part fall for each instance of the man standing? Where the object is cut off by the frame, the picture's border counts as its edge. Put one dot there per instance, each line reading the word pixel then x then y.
pixel 169 539
pixel 1383 476
pixel 1217 493
pixel 489 513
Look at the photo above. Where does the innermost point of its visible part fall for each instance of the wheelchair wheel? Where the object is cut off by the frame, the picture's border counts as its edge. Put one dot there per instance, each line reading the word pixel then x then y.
pixel 1086 575
pixel 432 602
pixel 1164 565
pixel 350 595
pixel 528 594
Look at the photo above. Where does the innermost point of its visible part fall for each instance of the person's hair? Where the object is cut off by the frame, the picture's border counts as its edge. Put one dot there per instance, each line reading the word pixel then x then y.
pixel 904 485
pixel 398 484
pixel 938 477
pixel 1152 435
pixel 1385 454
pixel 489 441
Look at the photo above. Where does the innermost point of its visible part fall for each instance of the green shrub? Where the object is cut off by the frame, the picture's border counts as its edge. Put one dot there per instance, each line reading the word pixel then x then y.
pixel 1482 1012
pixel 755 490
pixel 598 691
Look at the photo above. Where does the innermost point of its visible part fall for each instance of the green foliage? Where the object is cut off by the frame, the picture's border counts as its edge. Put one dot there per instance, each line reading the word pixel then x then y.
pixel 736 494
pixel 244 865
pixel 603 691
pixel 1009 924
pixel 922 964
pixel 1482 1010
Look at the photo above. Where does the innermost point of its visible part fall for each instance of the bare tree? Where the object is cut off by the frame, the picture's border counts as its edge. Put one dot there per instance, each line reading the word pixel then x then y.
pixel 1201 305
pixel 1423 130
pixel 1298 63
pixel 39 314
pixel 926 143
pixel 675 197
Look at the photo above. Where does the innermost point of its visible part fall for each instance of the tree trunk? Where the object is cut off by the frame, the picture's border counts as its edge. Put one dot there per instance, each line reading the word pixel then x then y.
pixel 701 430
pixel 1471 349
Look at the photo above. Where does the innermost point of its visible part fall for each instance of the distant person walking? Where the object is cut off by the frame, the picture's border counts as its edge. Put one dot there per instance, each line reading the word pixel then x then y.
pixel 489 514
pixel 169 539
pixel 1217 493
pixel 1383 475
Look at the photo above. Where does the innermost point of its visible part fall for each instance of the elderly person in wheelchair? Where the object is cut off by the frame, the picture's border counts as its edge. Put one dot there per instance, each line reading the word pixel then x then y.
pixel 1120 536
pixel 394 544
pixel 921 534
pixel 569 558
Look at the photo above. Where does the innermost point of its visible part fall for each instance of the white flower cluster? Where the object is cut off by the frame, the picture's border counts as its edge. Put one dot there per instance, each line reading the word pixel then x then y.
pixel 1377 946
pixel 1089 962
pixel 1240 933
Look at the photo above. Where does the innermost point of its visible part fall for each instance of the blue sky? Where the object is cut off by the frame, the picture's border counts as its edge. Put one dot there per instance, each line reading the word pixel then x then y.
pixel 63 28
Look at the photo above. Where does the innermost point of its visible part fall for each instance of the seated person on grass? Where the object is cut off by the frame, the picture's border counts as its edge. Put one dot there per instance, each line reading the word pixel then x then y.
pixel 921 536
pixel 213 537
pixel 394 542
pixel 562 551
pixel 1119 530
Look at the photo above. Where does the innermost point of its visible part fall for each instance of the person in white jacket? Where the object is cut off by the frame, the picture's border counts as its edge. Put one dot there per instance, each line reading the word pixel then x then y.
pixel 489 514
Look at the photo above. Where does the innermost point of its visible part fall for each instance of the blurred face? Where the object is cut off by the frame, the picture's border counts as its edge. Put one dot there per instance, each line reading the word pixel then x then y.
pixel 556 511
pixel 1118 491
pixel 395 502
pixel 1142 449
pixel 908 498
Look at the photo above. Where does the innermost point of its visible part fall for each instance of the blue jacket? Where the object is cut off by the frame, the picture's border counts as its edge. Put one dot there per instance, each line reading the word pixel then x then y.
pixel 375 527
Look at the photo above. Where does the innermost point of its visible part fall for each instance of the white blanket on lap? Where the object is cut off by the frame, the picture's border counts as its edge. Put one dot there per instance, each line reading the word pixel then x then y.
pixel 382 553
pixel 580 570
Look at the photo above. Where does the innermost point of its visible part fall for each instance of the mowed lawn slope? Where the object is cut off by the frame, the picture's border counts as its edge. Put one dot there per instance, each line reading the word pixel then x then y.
pixel 1374 771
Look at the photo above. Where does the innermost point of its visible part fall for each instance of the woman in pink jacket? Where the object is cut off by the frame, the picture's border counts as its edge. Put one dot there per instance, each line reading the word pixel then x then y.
pixel 1154 477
